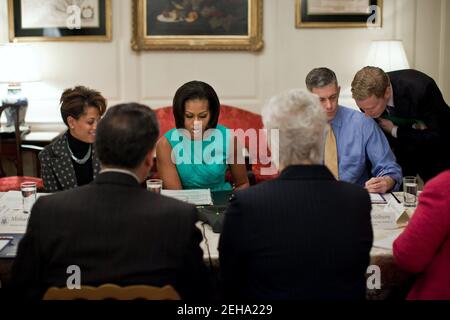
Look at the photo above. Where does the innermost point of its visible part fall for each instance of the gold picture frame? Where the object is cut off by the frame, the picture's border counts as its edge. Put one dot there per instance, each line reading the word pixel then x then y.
pixel 312 14
pixel 41 20
pixel 159 27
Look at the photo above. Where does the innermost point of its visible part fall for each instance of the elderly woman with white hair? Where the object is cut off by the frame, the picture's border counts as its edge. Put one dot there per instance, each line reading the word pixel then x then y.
pixel 303 235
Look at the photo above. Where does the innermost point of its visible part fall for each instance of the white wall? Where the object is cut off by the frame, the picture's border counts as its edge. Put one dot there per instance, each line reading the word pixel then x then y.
pixel 244 79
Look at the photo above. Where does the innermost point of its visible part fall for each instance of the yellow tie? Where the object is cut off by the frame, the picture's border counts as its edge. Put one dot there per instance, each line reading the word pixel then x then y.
pixel 331 159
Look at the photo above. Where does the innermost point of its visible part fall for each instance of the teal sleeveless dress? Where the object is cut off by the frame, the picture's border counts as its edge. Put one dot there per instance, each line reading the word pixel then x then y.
pixel 201 164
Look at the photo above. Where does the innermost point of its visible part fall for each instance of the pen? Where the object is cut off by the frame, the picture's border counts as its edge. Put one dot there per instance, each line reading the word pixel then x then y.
pixel 6 238
pixel 396 199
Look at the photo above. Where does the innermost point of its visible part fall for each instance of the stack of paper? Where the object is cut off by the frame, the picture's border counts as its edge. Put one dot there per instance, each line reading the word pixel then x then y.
pixel 377 198
pixel 199 197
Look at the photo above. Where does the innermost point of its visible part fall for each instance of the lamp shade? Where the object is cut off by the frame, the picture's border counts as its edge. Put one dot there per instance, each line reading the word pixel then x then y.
pixel 18 64
pixel 388 55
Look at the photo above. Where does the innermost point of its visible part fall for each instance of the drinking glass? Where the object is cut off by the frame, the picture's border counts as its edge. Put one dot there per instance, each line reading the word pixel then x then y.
pixel 154 185
pixel 410 191
pixel 28 190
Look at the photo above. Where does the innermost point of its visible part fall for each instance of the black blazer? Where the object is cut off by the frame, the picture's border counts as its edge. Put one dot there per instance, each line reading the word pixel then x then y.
pixel 417 96
pixel 116 232
pixel 303 235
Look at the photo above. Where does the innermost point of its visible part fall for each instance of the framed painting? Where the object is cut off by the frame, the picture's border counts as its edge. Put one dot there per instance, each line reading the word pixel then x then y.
pixel 197 25
pixel 338 13
pixel 59 20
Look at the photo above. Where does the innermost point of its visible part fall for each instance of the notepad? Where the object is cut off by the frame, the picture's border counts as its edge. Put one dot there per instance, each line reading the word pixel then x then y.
pixel 377 198
pixel 199 197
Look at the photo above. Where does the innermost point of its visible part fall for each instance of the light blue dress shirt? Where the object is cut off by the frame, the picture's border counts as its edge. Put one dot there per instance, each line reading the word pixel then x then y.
pixel 362 146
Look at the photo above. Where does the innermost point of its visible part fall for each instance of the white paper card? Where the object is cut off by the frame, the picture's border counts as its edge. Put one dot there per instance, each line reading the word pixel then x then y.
pixel 13 221
pixel 388 241
pixel 199 197
pixel 398 209
pixel 3 243
pixel 383 220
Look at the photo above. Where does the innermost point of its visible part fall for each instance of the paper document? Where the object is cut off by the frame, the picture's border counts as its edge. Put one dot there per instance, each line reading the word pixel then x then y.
pixel 3 243
pixel 13 199
pixel 388 241
pixel 377 198
pixel 199 197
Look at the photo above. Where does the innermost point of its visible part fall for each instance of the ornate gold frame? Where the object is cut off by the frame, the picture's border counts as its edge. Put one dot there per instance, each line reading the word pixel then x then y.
pixel 302 24
pixel 142 41
pixel 106 37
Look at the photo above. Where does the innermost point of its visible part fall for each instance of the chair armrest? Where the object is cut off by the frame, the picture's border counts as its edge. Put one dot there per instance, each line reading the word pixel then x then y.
pixel 31 147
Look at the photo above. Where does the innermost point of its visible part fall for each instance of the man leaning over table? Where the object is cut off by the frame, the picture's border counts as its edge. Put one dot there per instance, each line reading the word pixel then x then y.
pixel 356 149
pixel 409 107
pixel 112 229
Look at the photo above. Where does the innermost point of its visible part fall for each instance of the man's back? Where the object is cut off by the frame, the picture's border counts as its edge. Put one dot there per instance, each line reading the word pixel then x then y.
pixel 301 236
pixel 115 232
pixel 417 96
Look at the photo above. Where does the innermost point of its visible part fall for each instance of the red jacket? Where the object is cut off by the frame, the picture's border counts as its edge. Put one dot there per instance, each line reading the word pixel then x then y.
pixel 424 246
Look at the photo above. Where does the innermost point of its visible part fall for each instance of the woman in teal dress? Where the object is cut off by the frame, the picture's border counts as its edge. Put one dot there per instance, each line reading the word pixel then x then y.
pixel 197 153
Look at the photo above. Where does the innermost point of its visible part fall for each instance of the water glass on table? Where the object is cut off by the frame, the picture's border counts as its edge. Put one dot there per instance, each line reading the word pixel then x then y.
pixel 28 190
pixel 410 191
pixel 154 185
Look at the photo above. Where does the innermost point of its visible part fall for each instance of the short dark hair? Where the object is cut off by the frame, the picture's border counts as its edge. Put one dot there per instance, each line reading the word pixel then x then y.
pixel 74 102
pixel 125 135
pixel 319 78
pixel 195 90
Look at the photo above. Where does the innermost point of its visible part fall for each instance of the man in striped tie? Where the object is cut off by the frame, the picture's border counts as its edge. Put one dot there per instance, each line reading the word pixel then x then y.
pixel 356 149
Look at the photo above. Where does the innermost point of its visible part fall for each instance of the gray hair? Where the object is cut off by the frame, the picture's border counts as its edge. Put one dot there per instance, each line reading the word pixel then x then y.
pixel 301 122
pixel 319 78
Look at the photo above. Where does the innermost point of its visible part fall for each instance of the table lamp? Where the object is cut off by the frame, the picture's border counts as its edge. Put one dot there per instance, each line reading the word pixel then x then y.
pixel 18 64
pixel 388 55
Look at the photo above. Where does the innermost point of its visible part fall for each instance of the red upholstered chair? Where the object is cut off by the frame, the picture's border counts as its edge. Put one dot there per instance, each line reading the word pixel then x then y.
pixel 11 148
pixel 232 118
pixel 13 183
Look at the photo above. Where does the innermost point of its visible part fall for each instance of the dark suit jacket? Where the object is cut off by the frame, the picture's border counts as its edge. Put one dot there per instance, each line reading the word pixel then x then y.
pixel 57 168
pixel 417 96
pixel 115 232
pixel 300 236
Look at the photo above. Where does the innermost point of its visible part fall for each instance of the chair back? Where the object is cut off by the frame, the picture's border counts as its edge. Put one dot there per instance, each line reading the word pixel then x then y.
pixel 113 292
pixel 11 143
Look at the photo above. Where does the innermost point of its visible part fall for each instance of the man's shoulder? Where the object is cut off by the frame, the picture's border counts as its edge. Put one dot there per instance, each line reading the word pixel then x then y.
pixel 56 146
pixel 409 76
pixel 131 198
pixel 353 117
pixel 267 192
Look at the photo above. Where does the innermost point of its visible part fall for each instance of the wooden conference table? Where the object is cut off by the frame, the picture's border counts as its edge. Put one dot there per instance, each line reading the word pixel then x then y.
pixel 394 283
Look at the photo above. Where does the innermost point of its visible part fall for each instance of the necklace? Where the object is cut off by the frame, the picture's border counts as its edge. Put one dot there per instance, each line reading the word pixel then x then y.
pixel 84 159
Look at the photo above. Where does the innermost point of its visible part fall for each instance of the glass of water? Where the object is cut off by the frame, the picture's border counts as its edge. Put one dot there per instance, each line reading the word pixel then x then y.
pixel 410 191
pixel 28 190
pixel 154 185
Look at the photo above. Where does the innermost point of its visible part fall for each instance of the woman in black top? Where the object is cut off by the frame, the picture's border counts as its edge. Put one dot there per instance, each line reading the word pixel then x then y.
pixel 70 161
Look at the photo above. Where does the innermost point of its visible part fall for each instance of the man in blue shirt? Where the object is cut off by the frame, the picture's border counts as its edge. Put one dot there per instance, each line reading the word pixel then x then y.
pixel 362 149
